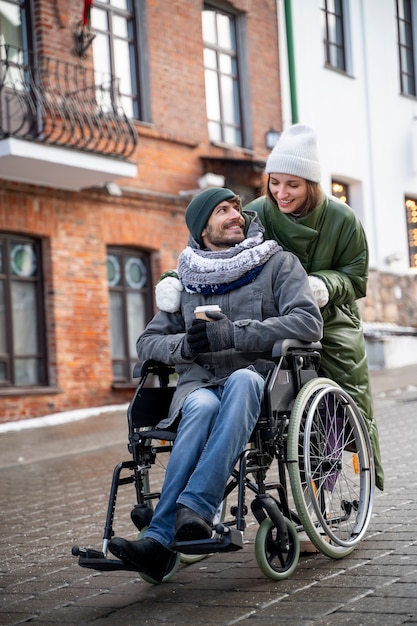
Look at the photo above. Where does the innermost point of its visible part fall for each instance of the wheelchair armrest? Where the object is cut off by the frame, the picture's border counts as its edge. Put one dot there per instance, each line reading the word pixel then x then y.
pixel 284 346
pixel 279 349
pixel 151 366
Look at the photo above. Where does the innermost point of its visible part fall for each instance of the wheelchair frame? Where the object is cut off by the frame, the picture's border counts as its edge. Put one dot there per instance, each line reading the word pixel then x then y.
pixel 308 424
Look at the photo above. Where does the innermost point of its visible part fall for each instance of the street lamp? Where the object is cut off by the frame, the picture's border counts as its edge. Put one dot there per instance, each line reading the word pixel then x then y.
pixel 271 138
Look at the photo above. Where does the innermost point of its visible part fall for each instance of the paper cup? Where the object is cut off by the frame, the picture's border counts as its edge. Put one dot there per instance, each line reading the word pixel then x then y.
pixel 200 311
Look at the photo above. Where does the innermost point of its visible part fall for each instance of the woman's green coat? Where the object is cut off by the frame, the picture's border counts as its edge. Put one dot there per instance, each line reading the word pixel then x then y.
pixel 331 244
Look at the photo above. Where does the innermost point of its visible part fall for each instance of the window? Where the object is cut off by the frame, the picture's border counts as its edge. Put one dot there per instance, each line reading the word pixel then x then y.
pixel 116 55
pixel 16 113
pixel 334 34
pixel 411 211
pixel 22 351
pixel 340 190
pixel 130 306
pixel 13 41
pixel 221 66
pixel 406 47
pixel 12 24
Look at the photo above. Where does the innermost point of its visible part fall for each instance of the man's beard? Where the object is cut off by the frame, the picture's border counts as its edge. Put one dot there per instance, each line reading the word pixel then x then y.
pixel 223 239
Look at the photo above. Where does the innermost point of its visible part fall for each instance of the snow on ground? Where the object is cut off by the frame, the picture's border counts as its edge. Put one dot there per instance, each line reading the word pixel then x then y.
pixel 60 418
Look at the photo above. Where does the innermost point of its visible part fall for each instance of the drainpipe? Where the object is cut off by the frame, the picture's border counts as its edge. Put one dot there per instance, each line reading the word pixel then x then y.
pixel 291 60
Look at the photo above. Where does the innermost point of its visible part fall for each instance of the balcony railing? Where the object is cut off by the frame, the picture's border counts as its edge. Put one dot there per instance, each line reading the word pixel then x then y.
pixel 63 104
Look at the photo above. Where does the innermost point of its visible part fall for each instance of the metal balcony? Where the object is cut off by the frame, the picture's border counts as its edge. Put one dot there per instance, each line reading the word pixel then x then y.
pixel 56 114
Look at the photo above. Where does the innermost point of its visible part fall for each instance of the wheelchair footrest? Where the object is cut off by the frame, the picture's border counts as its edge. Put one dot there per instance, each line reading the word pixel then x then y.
pixel 93 559
pixel 228 541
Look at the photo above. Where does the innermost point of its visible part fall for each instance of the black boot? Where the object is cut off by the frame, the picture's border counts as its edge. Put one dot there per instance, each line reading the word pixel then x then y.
pixel 146 555
pixel 190 525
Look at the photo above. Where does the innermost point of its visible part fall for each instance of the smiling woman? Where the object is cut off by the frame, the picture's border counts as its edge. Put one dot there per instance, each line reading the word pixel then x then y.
pixel 290 193
pixel 328 238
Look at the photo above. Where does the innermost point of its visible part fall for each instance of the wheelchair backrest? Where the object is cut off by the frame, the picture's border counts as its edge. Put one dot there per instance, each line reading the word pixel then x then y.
pixel 149 406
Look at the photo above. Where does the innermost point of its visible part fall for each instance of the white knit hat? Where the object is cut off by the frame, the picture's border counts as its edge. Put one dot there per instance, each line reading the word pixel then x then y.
pixel 296 154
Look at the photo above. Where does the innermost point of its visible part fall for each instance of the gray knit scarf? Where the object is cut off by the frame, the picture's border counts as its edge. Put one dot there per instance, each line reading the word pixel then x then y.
pixel 205 271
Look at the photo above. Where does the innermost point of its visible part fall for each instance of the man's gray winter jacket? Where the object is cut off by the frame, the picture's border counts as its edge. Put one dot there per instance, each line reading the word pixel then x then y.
pixel 278 304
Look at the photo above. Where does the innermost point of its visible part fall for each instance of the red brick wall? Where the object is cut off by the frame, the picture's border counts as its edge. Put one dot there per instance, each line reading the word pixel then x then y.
pixel 77 228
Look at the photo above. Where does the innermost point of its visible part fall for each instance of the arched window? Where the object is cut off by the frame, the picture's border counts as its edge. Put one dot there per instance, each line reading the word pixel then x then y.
pixel 130 290
pixel 22 343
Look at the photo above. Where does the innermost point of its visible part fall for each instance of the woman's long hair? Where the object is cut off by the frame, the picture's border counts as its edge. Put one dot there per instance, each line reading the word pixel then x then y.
pixel 314 196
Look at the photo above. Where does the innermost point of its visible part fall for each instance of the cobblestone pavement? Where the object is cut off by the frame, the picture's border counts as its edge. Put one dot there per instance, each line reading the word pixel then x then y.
pixel 54 485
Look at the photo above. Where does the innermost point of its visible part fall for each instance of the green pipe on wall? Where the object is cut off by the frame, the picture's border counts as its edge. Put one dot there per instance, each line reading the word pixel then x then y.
pixel 291 61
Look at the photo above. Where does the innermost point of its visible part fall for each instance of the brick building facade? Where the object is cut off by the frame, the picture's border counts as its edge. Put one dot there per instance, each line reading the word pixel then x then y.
pixel 79 257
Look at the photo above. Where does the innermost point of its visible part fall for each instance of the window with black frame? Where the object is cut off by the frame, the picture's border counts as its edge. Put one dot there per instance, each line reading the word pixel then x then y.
pixel 14 18
pixel 221 36
pixel 406 48
pixel 16 113
pixel 22 324
pixel 334 34
pixel 130 297
pixel 116 55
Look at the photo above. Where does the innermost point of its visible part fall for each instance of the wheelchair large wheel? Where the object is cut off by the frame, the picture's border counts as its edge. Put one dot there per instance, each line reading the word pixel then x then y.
pixel 272 562
pixel 330 467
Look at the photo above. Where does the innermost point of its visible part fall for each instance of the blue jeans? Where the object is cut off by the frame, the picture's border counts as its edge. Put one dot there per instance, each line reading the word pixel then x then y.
pixel 215 426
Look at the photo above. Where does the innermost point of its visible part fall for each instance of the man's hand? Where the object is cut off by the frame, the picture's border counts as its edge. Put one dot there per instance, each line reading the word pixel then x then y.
pixel 220 332
pixel 203 336
pixel 195 340
pixel 197 336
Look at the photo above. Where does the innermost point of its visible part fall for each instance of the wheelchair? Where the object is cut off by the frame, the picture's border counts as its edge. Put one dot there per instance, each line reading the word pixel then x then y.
pixel 310 430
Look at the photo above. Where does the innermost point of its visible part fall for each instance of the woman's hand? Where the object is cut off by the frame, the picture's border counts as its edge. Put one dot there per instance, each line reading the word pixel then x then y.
pixel 168 292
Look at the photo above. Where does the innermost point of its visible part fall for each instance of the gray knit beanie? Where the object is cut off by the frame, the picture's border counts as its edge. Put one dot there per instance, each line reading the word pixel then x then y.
pixel 202 206
pixel 296 154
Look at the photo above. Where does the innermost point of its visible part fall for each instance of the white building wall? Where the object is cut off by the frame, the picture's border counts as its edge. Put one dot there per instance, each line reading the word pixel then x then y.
pixel 367 131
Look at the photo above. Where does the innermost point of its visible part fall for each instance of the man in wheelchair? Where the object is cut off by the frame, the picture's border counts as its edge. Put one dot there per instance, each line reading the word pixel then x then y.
pixel 264 296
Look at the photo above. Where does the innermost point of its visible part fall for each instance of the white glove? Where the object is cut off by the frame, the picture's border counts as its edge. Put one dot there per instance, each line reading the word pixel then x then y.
pixel 320 291
pixel 168 294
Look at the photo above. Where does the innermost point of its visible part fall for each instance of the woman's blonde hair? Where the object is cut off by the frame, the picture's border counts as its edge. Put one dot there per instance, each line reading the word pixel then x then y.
pixel 314 196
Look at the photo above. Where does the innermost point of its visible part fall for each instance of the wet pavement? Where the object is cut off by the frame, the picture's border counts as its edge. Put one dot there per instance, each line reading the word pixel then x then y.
pixel 54 486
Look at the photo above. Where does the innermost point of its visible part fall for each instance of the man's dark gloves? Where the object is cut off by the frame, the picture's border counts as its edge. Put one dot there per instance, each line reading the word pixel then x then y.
pixel 197 336
pixel 205 336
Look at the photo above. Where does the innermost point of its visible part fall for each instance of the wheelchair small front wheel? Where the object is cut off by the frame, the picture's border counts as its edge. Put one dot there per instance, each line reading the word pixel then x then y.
pixel 189 559
pixel 274 563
